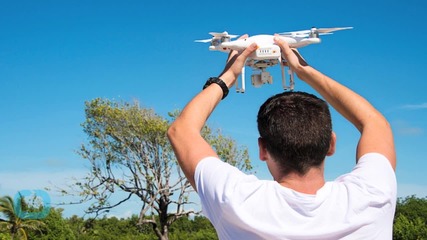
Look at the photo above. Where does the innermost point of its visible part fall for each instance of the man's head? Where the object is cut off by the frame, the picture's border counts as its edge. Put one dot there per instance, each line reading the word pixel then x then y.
pixel 296 129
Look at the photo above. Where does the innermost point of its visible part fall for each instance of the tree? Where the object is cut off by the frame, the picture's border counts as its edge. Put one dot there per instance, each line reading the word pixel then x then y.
pixel 412 207
pixel 403 228
pixel 128 152
pixel 14 223
pixel 410 220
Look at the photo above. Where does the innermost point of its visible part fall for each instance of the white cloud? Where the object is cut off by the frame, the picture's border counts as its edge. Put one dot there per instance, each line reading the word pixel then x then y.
pixel 404 128
pixel 410 131
pixel 414 106
pixel 16 181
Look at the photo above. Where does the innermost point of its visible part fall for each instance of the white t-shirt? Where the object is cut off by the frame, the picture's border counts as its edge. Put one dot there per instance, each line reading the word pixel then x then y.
pixel 357 205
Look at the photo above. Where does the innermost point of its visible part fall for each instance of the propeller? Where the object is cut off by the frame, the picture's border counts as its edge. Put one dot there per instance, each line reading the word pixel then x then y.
pixel 328 30
pixel 313 30
pixel 223 34
pixel 217 35
pixel 302 33
pixel 204 40
pixel 321 34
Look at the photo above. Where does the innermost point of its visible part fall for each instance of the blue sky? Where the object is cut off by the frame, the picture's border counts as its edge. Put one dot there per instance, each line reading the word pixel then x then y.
pixel 55 55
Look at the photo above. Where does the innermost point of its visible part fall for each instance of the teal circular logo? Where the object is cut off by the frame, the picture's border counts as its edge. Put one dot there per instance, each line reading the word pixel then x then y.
pixel 32 204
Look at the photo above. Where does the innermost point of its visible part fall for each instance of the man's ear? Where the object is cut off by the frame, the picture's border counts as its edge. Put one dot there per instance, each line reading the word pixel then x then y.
pixel 332 144
pixel 263 154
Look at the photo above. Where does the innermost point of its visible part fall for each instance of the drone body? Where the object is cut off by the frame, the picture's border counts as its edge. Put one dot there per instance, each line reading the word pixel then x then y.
pixel 262 41
pixel 268 53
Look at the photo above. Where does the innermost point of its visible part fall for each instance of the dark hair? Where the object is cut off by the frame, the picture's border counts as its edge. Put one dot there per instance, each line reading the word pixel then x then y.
pixel 296 129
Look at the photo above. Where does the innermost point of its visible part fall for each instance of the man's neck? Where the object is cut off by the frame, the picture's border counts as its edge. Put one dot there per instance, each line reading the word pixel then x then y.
pixel 308 183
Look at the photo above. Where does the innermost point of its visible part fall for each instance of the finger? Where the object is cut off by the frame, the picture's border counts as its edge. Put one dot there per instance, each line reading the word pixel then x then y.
pixel 249 50
pixel 279 41
pixel 289 53
pixel 286 50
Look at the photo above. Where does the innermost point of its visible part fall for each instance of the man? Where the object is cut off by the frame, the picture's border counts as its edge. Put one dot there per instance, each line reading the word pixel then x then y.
pixel 295 137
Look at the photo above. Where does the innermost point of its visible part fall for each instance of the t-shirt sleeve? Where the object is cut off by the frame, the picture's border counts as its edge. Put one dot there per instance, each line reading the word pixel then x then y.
pixel 374 173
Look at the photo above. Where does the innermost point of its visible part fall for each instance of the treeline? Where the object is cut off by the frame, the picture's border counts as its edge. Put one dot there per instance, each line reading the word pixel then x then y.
pixel 410 222
pixel 56 227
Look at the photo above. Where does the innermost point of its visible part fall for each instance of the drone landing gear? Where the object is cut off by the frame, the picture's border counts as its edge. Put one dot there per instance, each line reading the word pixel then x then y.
pixel 263 77
pixel 291 77
pixel 242 89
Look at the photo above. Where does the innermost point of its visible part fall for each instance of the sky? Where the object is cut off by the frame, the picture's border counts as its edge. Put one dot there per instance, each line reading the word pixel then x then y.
pixel 55 55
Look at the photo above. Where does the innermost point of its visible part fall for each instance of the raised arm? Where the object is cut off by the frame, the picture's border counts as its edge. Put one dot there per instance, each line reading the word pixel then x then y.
pixel 376 134
pixel 184 133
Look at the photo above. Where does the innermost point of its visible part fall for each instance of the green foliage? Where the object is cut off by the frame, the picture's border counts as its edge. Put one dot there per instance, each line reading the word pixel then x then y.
pixel 409 229
pixel 412 207
pixel 128 229
pixel 197 229
pixel 4 236
pixel 111 228
pixel 410 220
pixel 107 228
pixel 55 227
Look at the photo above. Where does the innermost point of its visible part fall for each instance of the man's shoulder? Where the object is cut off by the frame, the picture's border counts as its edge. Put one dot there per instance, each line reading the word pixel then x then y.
pixel 374 158
pixel 373 174
pixel 371 164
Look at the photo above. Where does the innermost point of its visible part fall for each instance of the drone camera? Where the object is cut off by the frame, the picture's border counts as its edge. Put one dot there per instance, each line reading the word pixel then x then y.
pixel 261 78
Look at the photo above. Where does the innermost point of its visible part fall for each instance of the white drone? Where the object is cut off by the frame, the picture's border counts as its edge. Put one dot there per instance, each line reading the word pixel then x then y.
pixel 268 54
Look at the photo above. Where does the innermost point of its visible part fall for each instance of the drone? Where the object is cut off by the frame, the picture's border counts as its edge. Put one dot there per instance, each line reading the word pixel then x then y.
pixel 268 53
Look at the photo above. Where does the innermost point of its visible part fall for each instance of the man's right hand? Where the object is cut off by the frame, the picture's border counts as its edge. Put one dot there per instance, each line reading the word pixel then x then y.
pixel 293 58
